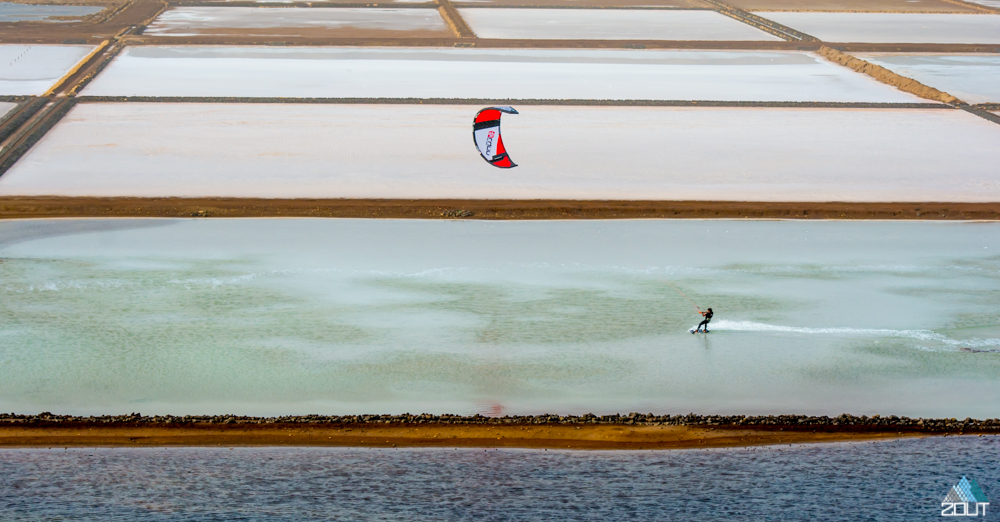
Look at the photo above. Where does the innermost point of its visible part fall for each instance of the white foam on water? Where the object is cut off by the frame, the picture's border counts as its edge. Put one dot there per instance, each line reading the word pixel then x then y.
pixel 920 335
pixel 59 286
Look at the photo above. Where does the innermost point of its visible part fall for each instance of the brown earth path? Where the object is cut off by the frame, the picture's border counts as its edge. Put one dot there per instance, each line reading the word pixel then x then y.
pixel 22 207
pixel 589 437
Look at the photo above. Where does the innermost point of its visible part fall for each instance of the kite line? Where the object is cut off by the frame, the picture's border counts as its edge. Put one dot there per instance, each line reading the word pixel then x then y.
pixel 658 278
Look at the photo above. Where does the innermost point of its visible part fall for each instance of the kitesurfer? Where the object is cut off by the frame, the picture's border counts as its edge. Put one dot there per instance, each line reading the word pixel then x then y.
pixel 708 318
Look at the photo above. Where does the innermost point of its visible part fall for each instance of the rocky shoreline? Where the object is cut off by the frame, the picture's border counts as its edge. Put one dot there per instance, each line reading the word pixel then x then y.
pixel 843 422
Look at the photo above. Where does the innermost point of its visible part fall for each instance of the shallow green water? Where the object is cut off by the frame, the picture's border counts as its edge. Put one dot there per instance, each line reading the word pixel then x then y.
pixel 346 316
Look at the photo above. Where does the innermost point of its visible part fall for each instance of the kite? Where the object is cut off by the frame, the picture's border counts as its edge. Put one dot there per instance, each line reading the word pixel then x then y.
pixel 486 134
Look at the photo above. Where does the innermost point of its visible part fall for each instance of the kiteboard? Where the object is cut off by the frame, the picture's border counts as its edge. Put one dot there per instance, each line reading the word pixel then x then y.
pixel 693 330
pixel 486 135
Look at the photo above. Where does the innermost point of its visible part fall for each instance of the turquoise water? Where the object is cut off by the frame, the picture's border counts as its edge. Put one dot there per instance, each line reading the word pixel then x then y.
pixel 292 316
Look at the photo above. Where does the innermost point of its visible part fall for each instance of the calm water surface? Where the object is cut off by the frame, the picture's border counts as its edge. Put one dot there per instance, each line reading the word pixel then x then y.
pixel 292 316
pixel 886 481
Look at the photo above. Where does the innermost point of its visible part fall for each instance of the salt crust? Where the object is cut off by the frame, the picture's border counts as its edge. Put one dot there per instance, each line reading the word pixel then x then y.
pixel 426 151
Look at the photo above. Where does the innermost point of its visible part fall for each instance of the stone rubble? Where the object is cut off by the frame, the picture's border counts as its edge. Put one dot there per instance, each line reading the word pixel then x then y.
pixel 841 422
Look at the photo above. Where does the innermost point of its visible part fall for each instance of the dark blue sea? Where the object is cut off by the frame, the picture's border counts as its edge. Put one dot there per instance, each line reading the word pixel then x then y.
pixel 903 480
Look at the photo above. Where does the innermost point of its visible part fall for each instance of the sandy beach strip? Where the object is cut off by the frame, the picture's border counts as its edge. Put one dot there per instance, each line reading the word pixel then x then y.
pixel 592 437
pixel 13 207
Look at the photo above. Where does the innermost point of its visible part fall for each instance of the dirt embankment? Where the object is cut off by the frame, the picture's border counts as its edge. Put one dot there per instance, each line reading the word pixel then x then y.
pixel 572 437
pixel 632 431
pixel 887 77
pixel 13 207
pixel 454 19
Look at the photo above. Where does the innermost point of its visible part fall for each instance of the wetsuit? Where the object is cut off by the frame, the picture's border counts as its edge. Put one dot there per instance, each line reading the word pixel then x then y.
pixel 708 318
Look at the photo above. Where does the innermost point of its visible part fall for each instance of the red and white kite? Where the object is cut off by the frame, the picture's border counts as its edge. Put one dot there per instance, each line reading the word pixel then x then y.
pixel 486 134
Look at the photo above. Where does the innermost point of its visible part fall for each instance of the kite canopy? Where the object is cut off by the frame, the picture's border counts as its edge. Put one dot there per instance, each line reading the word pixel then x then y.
pixel 486 134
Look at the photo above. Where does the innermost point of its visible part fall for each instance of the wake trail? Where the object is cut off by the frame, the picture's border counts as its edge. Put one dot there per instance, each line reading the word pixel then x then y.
pixel 920 335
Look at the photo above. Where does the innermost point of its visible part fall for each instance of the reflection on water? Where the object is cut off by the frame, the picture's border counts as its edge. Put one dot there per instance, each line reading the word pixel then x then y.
pixel 282 316
pixel 885 481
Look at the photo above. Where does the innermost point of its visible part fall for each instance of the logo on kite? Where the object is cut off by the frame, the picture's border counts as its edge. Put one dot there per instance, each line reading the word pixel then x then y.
pixel 486 134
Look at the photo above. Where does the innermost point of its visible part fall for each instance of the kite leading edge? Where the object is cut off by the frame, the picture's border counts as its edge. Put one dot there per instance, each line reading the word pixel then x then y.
pixel 486 134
